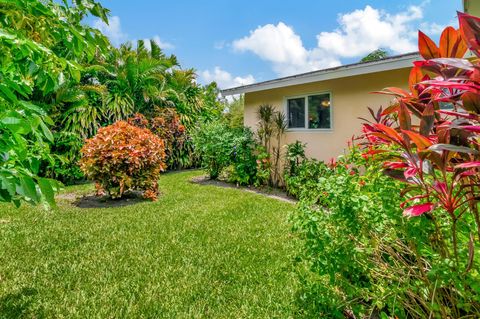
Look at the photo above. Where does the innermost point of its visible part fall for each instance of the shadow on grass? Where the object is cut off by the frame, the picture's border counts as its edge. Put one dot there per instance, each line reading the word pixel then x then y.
pixel 92 201
pixel 18 305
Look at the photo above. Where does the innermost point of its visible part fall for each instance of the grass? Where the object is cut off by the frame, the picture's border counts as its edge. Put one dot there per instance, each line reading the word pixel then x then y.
pixel 198 252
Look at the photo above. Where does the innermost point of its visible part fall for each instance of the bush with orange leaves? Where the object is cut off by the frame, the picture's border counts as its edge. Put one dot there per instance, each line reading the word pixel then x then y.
pixel 124 157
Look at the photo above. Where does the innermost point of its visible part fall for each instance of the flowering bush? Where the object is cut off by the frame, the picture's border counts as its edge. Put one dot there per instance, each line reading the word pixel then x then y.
pixel 123 157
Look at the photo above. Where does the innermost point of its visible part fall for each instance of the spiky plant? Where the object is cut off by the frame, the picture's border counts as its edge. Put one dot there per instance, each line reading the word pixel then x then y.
pixel 279 126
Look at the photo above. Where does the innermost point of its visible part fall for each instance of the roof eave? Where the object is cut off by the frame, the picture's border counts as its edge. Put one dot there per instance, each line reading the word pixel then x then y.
pixel 388 64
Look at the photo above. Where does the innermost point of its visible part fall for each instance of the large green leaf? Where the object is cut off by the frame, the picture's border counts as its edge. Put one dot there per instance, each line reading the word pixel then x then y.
pixel 7 94
pixel 27 188
pixel 47 190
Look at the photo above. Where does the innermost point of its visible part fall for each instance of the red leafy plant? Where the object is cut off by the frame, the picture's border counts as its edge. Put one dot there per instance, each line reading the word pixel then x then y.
pixel 167 126
pixel 124 157
pixel 432 132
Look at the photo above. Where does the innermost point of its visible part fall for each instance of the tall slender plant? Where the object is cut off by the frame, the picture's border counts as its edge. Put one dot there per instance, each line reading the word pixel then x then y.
pixel 265 131
pixel 280 126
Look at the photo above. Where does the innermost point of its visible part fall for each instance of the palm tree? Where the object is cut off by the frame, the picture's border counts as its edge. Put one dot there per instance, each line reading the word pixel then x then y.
pixel 139 81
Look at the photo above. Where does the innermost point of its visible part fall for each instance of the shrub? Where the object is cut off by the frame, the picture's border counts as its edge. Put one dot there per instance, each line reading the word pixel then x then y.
pixel 179 152
pixel 214 143
pixel 66 154
pixel 305 177
pixel 244 157
pixel 361 257
pixel 221 146
pixel 264 167
pixel 271 128
pixel 438 161
pixel 123 157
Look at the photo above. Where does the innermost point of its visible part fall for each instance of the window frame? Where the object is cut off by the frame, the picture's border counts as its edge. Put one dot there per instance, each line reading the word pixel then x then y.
pixel 305 97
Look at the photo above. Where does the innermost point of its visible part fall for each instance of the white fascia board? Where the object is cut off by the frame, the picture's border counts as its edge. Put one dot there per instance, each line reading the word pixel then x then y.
pixel 328 74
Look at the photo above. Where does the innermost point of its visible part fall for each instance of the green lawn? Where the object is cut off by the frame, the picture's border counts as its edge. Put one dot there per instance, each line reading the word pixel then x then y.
pixel 198 252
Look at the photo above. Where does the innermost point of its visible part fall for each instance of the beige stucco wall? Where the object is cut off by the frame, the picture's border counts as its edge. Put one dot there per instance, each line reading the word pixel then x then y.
pixel 472 7
pixel 350 99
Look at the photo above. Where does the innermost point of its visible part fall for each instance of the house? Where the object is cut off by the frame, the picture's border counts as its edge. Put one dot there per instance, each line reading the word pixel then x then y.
pixel 323 107
pixel 472 7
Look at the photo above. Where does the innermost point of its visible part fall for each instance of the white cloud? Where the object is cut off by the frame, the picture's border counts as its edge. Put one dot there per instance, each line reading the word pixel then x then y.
pixel 280 45
pixel 359 33
pixel 224 79
pixel 162 44
pixel 363 31
pixel 435 29
pixel 113 30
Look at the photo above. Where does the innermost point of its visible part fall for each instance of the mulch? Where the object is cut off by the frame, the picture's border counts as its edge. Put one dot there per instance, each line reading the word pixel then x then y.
pixel 265 191
pixel 93 201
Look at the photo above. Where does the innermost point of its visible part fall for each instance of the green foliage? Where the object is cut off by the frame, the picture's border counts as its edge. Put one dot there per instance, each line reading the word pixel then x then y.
pixel 124 157
pixel 134 79
pixel 375 56
pixel 264 167
pixel 305 179
pixel 244 158
pixel 221 146
pixel 294 156
pixel 41 44
pixel 361 256
pixel 66 153
pixel 234 112
pixel 272 125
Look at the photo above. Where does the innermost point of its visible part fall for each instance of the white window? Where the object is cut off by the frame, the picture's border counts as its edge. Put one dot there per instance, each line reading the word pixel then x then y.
pixel 313 111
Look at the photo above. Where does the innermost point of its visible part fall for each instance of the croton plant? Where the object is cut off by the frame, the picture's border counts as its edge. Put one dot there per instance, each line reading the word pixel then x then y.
pixel 124 157
pixel 429 138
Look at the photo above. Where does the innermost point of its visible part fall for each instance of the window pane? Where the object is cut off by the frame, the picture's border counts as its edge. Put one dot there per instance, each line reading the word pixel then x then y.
pixel 319 111
pixel 296 113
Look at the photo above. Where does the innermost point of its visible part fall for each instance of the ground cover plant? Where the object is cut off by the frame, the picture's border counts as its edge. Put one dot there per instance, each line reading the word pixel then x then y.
pixel 227 255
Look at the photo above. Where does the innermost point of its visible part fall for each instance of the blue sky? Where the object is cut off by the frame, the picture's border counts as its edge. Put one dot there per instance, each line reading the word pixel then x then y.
pixel 240 42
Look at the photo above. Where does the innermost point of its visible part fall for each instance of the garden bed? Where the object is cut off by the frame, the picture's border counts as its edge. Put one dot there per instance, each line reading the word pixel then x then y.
pixel 270 192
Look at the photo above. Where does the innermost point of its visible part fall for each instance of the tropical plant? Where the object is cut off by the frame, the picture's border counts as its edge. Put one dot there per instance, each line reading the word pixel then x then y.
pixel 65 152
pixel 264 167
pixel 214 143
pixel 438 160
pixel 234 112
pixel 265 114
pixel 294 156
pixel 178 150
pixel 41 44
pixel 122 157
pixel 279 127
pixel 221 147
pixel 272 124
